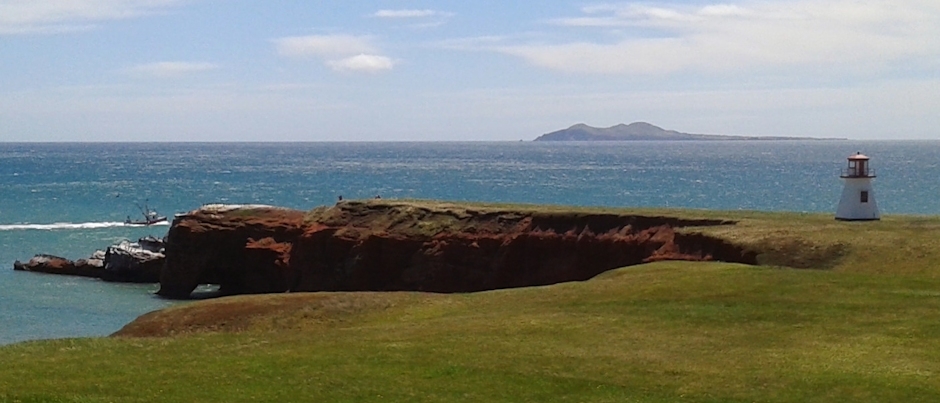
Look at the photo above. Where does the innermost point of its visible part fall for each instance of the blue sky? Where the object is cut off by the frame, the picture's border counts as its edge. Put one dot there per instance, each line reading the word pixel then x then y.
pixel 240 70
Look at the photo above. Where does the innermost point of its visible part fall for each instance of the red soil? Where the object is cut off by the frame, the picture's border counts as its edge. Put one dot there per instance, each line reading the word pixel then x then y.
pixel 385 246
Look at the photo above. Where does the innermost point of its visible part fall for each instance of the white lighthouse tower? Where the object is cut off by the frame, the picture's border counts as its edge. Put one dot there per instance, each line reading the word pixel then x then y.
pixel 858 197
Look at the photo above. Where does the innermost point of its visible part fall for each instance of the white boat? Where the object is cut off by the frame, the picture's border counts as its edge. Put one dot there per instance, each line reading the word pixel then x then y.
pixel 150 217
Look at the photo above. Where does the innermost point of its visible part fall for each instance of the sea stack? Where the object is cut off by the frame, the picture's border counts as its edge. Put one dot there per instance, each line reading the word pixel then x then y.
pixel 858 197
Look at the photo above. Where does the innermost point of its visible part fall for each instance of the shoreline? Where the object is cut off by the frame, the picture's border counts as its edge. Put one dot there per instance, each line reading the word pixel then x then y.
pixel 778 321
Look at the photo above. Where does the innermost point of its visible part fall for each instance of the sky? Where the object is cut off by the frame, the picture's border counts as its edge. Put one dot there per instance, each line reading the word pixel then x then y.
pixel 385 70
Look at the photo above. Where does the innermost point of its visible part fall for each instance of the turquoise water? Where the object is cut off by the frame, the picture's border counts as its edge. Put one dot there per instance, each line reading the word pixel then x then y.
pixel 69 199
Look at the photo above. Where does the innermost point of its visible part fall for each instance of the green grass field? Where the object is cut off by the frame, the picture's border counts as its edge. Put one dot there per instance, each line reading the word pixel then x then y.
pixel 860 326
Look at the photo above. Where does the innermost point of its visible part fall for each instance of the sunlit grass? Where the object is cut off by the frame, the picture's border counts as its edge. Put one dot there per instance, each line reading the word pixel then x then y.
pixel 862 329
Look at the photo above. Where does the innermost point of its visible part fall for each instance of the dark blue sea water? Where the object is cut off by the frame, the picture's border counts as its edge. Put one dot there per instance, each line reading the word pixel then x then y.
pixel 69 199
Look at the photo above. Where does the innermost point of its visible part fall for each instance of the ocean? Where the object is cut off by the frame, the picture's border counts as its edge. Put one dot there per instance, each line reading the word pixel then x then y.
pixel 69 199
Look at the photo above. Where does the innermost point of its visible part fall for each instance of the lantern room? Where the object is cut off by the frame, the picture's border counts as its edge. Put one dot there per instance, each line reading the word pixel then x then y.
pixel 858 167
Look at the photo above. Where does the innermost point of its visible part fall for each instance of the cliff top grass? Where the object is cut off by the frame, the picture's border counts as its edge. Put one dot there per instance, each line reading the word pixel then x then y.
pixel 862 329
pixel 896 245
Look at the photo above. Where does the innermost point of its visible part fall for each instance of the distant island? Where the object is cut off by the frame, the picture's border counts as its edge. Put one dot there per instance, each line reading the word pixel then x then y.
pixel 638 131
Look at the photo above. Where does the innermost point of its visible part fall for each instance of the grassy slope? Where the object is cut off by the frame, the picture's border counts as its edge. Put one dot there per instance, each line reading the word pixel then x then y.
pixel 670 331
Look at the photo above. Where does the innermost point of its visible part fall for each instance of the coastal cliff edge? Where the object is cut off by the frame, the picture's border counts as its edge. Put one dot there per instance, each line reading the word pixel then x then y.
pixel 379 245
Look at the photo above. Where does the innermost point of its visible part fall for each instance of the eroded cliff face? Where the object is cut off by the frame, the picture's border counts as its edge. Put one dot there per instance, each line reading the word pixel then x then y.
pixel 216 245
pixel 388 246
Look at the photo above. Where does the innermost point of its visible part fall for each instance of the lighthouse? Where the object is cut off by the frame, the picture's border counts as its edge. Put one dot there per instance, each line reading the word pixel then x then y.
pixel 858 197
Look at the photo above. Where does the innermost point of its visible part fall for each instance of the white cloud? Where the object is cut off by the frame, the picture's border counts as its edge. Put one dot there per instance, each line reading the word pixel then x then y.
pixel 426 18
pixel 171 69
pixel 843 36
pixel 407 13
pixel 642 14
pixel 362 63
pixel 54 16
pixel 723 10
pixel 323 45
pixel 344 53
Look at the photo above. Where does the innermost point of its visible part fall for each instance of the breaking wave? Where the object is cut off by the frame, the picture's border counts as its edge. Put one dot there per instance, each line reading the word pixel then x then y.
pixel 67 226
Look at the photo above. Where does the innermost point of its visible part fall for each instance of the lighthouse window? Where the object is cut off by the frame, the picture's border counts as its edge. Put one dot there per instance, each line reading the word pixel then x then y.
pixel 864 196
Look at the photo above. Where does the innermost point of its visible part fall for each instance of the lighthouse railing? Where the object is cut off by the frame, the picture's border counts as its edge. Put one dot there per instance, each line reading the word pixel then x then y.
pixel 855 173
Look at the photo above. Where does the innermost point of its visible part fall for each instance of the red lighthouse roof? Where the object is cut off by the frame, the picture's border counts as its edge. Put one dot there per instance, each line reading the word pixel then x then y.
pixel 858 156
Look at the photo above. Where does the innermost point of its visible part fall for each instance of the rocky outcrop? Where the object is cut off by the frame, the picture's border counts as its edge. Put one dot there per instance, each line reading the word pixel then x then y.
pixel 139 262
pixel 387 246
pixel 42 263
pixel 237 247
pixel 128 262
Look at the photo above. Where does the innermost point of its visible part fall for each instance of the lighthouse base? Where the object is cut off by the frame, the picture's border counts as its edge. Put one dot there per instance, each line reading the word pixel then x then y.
pixel 858 201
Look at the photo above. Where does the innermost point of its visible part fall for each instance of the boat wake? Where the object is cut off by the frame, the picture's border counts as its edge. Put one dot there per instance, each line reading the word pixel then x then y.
pixel 68 226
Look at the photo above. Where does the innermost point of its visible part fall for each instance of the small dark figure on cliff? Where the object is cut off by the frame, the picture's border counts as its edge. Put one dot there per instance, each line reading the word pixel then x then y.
pixel 340 197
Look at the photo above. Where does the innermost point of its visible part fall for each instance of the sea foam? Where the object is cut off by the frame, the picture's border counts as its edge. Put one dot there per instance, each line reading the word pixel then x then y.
pixel 68 226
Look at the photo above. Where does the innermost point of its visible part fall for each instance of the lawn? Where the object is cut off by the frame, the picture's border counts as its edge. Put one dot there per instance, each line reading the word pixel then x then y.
pixel 862 328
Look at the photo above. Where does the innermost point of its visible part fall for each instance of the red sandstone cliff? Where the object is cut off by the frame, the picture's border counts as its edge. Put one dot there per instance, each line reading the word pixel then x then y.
pixel 386 246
